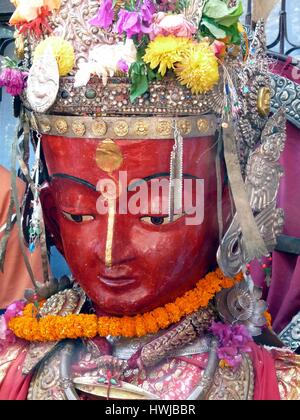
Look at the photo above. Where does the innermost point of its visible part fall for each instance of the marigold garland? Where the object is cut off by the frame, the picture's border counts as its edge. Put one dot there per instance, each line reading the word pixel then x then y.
pixel 53 328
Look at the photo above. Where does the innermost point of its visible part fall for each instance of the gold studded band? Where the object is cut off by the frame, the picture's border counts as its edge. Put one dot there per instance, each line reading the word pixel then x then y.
pixel 132 128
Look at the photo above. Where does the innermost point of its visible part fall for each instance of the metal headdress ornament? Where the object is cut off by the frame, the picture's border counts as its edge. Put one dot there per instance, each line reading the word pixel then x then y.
pixel 260 141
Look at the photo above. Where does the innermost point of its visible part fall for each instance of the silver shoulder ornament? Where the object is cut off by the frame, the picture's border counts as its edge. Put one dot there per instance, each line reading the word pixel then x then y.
pixel 259 141
pixel 263 175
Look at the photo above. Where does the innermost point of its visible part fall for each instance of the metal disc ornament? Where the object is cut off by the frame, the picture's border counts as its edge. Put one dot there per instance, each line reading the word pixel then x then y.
pixel 43 82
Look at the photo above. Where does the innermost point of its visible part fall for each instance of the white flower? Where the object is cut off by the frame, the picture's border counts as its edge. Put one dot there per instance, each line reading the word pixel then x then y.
pixel 103 61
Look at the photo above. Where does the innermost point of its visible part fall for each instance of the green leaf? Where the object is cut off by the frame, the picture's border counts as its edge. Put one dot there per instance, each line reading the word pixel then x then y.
pixel 233 17
pixel 10 63
pixel 234 32
pixel 139 86
pixel 139 80
pixel 214 28
pixel 221 13
pixel 216 9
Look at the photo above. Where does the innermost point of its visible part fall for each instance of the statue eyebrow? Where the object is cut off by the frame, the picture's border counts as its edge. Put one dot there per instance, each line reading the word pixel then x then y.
pixel 159 175
pixel 131 186
pixel 75 179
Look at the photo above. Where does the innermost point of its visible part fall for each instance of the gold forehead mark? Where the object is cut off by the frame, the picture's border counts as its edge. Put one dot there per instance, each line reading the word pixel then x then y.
pixel 110 232
pixel 109 156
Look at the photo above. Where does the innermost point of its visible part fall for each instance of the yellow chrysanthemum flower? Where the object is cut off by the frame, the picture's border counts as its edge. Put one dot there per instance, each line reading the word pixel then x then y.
pixel 165 51
pixel 62 50
pixel 199 70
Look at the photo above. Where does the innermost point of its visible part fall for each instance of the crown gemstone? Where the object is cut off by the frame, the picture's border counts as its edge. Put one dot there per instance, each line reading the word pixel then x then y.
pixel 90 94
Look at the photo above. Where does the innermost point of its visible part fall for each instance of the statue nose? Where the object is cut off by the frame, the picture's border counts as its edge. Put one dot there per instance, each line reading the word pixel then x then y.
pixel 118 249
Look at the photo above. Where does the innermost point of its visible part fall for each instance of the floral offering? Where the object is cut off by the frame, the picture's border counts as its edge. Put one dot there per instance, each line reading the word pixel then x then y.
pixel 186 39
pixel 31 15
pixel 12 77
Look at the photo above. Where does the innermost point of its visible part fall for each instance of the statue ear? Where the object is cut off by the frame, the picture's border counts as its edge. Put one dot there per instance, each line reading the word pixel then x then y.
pixel 51 217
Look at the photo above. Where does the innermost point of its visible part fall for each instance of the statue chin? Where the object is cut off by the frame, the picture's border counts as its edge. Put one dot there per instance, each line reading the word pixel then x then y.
pixel 131 263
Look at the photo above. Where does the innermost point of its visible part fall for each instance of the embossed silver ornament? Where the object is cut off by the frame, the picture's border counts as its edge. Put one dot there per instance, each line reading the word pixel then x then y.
pixel 242 304
pixel 262 183
pixel 286 93
pixel 43 82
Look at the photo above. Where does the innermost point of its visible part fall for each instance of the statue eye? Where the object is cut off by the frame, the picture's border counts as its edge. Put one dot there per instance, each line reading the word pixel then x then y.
pixel 159 220
pixel 78 218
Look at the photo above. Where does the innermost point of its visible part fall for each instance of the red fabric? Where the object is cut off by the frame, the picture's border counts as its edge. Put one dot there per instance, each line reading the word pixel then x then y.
pixel 15 385
pixel 266 384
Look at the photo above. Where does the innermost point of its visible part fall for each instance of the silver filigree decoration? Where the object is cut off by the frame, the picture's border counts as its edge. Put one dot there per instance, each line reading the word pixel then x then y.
pixel 176 173
pixel 242 304
pixel 262 183
pixel 263 170
pixel 233 384
pixel 250 80
pixel 71 22
pixel 290 336
pixel 259 47
pixel 286 93
pixel 232 254
pixel 194 11
pixel 43 82
pixel 167 99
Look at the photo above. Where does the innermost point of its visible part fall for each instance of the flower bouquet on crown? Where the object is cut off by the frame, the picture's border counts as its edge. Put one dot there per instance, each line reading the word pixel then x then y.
pixel 158 38
pixel 152 39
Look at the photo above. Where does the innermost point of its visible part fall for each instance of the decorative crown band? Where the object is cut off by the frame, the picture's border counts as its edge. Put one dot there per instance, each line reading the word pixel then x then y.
pixel 166 99
pixel 132 128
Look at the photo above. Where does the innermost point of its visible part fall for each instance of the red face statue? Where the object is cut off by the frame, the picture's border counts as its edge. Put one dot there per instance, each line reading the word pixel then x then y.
pixel 130 263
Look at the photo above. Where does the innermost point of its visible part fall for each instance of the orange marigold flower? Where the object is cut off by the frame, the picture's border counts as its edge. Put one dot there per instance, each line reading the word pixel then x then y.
pixel 53 328
pixel 103 326
pixel 128 327
pixel 173 312
pixel 151 323
pixel 161 316
pixel 115 327
pixel 140 326
pixel 268 317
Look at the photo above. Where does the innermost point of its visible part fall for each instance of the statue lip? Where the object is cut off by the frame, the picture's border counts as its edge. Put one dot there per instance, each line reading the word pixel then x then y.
pixel 116 281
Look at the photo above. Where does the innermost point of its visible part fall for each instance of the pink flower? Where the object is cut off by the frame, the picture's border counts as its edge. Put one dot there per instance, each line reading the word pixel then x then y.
pixel 105 15
pixel 176 25
pixel 233 341
pixel 147 11
pixel 123 66
pixel 167 5
pixel 7 337
pixel 14 80
pixel 13 310
pixel 136 22
pixel 129 22
pixel 219 48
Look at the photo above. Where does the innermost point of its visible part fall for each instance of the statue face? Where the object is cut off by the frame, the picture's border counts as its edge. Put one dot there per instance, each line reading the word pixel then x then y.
pixel 130 263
